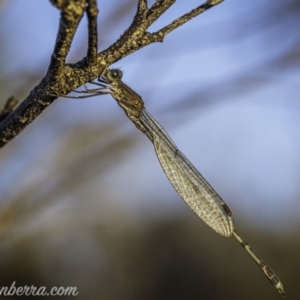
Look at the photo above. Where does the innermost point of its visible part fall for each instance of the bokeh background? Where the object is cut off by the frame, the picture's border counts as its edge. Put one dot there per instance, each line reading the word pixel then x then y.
pixel 83 200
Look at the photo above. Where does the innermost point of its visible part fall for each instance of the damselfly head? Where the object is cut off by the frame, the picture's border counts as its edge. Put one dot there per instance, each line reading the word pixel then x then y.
pixel 113 75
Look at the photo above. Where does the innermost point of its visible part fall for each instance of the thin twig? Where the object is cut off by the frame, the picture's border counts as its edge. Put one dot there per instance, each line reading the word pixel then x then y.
pixel 92 14
pixel 71 14
pixel 10 104
pixel 183 19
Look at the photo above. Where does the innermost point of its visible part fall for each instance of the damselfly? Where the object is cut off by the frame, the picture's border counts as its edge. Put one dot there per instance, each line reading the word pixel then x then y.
pixel 185 178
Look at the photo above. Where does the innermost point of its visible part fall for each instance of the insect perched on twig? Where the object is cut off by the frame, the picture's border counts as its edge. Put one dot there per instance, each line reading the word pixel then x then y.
pixel 185 178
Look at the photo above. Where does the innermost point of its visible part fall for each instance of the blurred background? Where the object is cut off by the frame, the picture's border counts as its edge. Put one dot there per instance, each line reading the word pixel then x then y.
pixel 84 201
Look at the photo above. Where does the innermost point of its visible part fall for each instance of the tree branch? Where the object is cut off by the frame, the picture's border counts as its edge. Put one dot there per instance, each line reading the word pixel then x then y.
pixel 92 14
pixel 62 78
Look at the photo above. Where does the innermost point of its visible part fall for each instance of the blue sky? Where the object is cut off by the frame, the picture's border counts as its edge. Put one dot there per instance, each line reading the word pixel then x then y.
pixel 245 141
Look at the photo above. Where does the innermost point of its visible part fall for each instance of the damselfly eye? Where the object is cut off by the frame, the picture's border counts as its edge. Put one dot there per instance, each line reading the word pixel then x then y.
pixel 114 74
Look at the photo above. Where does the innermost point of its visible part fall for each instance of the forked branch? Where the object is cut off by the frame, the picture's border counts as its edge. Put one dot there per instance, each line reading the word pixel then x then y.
pixel 62 78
